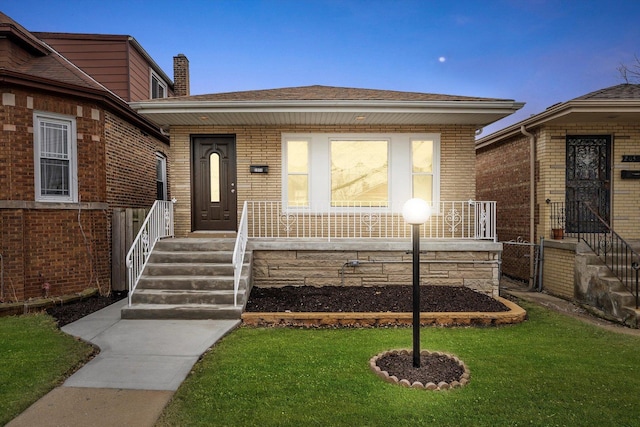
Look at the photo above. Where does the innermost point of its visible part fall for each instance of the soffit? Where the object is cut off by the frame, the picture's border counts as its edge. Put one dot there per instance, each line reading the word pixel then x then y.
pixel 477 113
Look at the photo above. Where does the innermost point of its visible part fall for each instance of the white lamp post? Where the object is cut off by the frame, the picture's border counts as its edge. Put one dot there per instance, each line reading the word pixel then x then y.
pixel 416 212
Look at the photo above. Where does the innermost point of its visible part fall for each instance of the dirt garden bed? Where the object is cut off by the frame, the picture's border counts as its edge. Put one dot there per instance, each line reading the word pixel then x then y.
pixel 310 306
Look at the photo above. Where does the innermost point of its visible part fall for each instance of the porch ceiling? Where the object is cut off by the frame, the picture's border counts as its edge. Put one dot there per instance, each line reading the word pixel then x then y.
pixel 198 113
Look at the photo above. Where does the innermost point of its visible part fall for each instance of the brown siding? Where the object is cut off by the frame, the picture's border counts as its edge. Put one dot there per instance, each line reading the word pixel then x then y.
pixel 104 60
pixel 140 76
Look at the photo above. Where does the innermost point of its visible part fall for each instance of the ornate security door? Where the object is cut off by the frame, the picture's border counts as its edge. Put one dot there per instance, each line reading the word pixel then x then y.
pixel 588 178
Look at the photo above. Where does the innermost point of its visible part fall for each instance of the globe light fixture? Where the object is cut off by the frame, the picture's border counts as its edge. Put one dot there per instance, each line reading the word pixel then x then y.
pixel 415 212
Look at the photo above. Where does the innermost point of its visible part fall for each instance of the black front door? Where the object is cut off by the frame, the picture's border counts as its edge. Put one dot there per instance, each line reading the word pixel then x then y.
pixel 588 178
pixel 214 182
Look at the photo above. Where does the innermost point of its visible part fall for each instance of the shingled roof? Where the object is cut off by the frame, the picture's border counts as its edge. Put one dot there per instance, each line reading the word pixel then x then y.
pixel 323 93
pixel 620 103
pixel 622 91
pixel 45 62
pixel 45 69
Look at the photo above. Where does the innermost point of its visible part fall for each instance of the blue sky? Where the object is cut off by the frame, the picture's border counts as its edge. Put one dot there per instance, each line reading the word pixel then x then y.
pixel 540 51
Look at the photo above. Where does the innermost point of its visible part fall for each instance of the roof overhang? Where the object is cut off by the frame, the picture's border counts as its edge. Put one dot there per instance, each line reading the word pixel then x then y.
pixel 578 111
pixel 173 112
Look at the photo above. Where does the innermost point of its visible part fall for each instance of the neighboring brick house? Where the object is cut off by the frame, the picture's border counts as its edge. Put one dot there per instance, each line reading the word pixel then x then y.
pixel 71 150
pixel 337 164
pixel 575 151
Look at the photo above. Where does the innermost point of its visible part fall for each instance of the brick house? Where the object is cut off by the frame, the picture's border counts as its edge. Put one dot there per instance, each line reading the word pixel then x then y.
pixel 321 173
pixel 71 150
pixel 543 171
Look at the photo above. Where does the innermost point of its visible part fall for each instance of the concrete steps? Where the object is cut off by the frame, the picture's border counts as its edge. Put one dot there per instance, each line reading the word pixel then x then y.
pixel 600 288
pixel 190 278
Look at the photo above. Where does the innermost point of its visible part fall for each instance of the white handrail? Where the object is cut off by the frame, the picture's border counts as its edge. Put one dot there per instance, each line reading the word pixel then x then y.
pixel 239 251
pixel 470 219
pixel 157 225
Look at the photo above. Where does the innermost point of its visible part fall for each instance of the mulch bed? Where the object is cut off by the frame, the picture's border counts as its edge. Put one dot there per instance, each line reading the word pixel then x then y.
pixel 70 312
pixel 372 299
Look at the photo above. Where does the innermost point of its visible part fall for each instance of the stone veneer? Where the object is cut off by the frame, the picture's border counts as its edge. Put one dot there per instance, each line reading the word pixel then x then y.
pixel 474 264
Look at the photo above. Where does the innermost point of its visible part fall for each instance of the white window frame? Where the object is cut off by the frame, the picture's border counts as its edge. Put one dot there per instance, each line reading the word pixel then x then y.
pixel 285 176
pixel 69 121
pixel 161 83
pixel 400 167
pixel 163 161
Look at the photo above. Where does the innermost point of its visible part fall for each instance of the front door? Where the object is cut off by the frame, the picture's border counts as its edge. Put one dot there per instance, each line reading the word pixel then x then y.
pixel 588 178
pixel 214 182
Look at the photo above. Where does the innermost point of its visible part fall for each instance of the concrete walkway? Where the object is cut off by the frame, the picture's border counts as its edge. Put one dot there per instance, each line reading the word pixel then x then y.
pixel 140 365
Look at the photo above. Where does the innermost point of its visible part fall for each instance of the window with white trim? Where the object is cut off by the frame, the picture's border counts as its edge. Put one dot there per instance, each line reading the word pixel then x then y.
pixel 56 168
pixel 161 177
pixel 297 187
pixel 422 169
pixel 361 170
pixel 158 86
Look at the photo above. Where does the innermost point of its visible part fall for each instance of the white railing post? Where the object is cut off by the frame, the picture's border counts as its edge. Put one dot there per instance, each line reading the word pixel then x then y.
pixel 239 251
pixel 157 225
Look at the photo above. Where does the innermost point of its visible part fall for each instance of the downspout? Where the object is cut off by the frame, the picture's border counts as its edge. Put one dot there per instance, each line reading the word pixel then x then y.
pixel 532 201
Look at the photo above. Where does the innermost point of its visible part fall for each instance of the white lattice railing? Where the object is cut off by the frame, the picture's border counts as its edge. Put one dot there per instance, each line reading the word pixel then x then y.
pixel 470 219
pixel 238 252
pixel 157 225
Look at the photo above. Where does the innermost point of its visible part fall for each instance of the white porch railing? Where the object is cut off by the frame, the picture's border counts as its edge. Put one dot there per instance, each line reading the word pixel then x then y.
pixel 238 252
pixel 475 220
pixel 157 225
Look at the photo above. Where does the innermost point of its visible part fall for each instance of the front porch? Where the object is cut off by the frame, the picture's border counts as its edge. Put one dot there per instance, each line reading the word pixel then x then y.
pixel 344 247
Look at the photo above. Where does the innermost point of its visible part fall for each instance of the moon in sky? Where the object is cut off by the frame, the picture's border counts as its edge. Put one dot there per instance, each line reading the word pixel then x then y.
pixel 442 59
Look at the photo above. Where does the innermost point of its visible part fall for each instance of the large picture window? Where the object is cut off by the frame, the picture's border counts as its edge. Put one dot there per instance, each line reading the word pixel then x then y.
pixel 55 158
pixel 359 173
pixel 322 170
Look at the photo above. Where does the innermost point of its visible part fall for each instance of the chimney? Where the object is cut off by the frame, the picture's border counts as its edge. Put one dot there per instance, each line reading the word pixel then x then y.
pixel 180 75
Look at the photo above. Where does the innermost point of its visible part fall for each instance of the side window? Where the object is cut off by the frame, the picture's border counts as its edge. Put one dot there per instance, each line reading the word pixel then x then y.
pixel 422 169
pixel 56 170
pixel 297 173
pixel 161 177
pixel 158 87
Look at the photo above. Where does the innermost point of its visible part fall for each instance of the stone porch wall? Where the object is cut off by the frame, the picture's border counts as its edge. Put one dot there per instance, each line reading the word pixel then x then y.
pixel 476 269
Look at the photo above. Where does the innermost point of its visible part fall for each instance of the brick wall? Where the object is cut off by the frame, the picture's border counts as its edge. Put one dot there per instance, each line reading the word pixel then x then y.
pixel 625 209
pixel 502 172
pixel 262 145
pixel 558 272
pixel 377 268
pixel 130 164
pixel 67 244
pixel 44 242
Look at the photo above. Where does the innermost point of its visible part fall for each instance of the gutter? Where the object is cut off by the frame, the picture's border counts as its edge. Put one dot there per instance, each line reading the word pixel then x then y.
pixel 532 200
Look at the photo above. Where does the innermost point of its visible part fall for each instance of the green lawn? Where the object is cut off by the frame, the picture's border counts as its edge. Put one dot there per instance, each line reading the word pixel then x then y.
pixel 35 356
pixel 551 370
